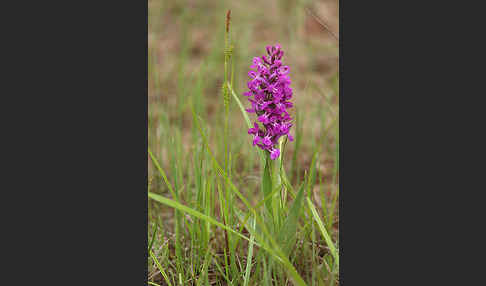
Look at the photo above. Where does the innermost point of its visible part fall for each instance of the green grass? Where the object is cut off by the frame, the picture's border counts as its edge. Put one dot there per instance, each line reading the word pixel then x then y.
pixel 220 212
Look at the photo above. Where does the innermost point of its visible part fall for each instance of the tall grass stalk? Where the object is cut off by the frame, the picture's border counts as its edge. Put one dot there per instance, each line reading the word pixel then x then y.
pixel 228 76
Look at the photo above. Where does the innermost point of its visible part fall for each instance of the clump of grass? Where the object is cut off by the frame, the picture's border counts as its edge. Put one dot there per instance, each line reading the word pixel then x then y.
pixel 219 217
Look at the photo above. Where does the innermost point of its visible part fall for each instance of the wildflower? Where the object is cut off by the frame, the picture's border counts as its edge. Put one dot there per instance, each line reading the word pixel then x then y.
pixel 269 94
pixel 274 153
pixel 253 130
pixel 264 118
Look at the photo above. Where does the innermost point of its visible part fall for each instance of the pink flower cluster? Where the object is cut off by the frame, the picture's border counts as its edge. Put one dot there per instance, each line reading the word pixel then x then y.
pixel 269 95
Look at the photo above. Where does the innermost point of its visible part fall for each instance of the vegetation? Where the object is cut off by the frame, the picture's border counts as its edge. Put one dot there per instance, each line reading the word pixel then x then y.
pixel 220 211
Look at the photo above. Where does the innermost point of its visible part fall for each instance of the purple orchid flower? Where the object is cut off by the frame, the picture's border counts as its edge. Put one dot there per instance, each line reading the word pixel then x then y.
pixel 269 94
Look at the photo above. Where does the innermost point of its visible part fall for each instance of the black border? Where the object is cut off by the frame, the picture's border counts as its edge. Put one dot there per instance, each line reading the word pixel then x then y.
pixel 80 199
pixel 80 147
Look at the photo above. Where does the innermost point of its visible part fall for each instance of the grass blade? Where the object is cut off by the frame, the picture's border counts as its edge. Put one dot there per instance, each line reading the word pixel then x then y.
pixel 153 237
pixel 183 208
pixel 249 257
pixel 326 236
pixel 156 163
pixel 245 116
pixel 242 109
pixel 160 268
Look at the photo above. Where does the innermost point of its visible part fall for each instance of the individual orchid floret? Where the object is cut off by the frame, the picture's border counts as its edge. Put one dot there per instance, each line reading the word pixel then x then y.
pixel 274 153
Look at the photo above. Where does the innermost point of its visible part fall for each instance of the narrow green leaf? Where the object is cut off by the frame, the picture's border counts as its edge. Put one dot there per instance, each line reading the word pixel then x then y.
pixel 156 163
pixel 160 268
pixel 249 257
pixel 153 237
pixel 289 229
pixel 242 109
pixel 326 236
pixel 267 185
pixel 183 208
pixel 204 272
pixel 220 269
pixel 245 115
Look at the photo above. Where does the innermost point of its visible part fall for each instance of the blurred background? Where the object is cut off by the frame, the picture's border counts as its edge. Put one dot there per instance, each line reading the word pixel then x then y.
pixel 186 67
pixel 186 64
